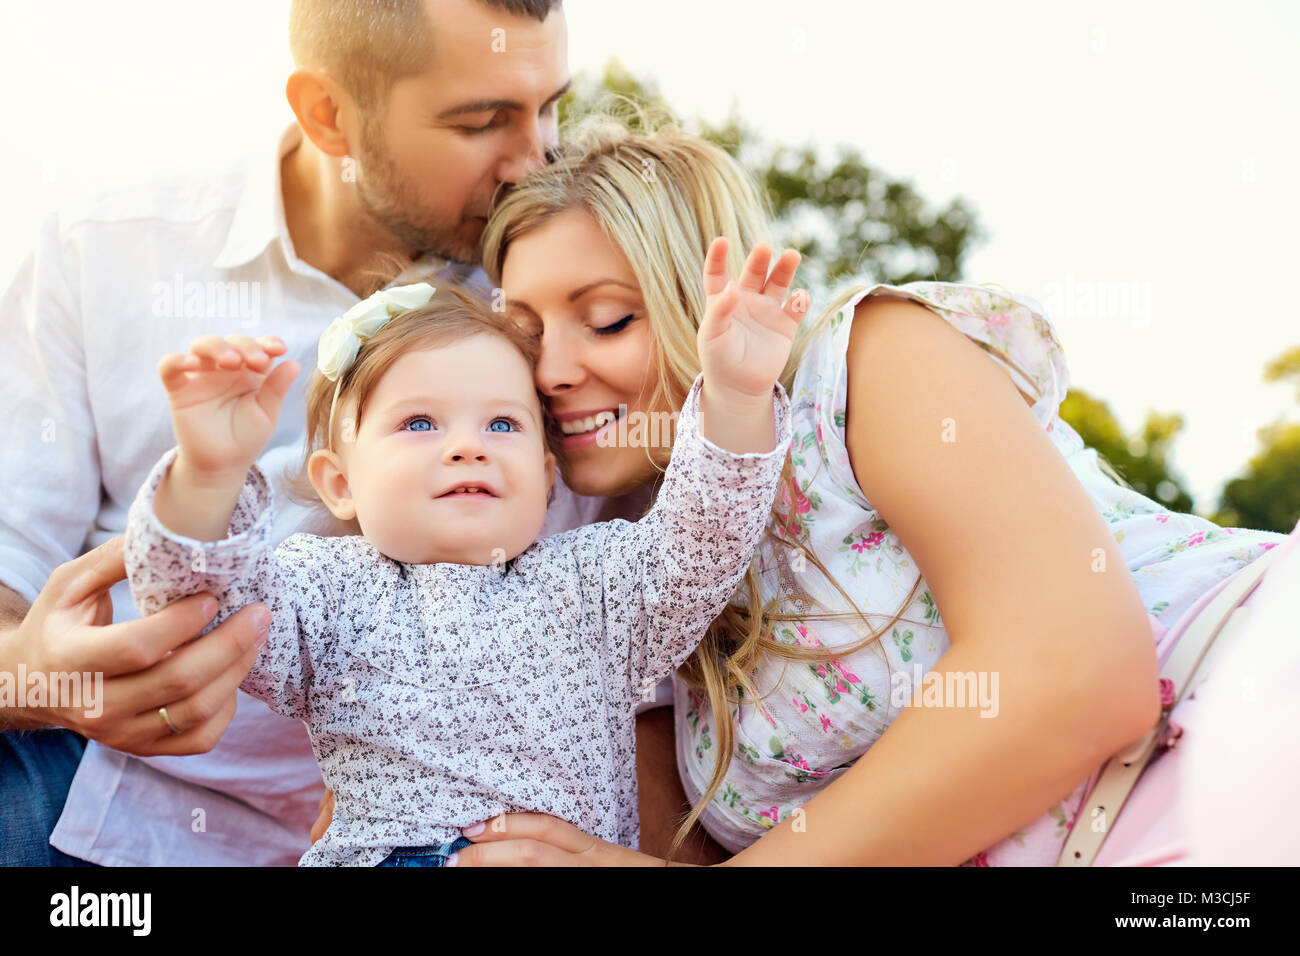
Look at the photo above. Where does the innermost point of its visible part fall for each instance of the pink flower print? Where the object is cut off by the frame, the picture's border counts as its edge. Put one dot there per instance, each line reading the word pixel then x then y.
pixel 1196 539
pixel 826 724
pixel 1162 518
pixel 849 676
pixel 803 708
pixel 1166 692
pixel 1000 320
pixel 820 441
pixel 792 496
pixel 1270 546
pixel 770 814
pixel 839 686
pixel 808 640
pixel 821 670
pixel 980 859
pixel 868 543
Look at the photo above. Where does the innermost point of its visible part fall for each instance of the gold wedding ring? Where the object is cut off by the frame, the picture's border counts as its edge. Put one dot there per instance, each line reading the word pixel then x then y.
pixel 162 712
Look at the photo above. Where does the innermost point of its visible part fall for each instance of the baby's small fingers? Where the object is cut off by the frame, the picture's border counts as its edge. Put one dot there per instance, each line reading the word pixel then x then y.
pixel 797 307
pixel 715 266
pixel 778 283
pixel 754 274
pixel 217 351
pixel 254 355
pixel 272 345
pixel 172 369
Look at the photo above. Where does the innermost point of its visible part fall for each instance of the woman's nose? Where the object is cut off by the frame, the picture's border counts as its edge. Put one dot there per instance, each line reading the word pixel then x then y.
pixel 560 367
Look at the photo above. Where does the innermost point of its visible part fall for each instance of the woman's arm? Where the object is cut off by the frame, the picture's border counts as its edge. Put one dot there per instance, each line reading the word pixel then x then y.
pixel 662 801
pixel 1031 586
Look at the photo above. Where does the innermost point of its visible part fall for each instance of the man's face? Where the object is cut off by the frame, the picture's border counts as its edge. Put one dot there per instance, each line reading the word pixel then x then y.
pixel 431 167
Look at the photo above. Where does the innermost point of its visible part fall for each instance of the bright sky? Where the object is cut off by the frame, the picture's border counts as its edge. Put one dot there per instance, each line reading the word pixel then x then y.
pixel 1134 164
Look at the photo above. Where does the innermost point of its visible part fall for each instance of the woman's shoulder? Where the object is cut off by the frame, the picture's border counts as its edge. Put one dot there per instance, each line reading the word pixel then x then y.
pixel 1013 329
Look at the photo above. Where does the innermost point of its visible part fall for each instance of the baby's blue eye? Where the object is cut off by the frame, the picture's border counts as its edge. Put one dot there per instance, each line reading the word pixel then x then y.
pixel 419 424
pixel 508 425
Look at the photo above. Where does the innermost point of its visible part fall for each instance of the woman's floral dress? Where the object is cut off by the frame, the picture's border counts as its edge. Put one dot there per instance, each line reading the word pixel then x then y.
pixel 822 717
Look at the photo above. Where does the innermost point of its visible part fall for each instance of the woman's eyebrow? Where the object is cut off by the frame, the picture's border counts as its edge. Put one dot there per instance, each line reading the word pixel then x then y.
pixel 579 293
pixel 574 296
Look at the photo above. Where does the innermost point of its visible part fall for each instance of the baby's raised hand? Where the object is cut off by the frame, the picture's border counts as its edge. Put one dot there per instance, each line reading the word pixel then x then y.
pixel 225 399
pixel 746 334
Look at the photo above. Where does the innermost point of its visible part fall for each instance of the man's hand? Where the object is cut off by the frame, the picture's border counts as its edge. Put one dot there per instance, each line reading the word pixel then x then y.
pixel 145 664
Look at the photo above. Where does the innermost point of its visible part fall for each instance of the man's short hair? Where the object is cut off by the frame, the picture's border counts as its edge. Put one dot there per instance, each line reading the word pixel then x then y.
pixel 367 45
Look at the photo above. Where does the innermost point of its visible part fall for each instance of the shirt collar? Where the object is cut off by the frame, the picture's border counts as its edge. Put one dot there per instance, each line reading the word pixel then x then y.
pixel 259 215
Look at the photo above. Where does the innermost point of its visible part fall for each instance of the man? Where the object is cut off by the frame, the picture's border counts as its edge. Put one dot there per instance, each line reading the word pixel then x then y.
pixel 411 116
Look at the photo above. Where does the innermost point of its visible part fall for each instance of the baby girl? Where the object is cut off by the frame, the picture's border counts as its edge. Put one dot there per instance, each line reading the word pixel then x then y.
pixel 448 666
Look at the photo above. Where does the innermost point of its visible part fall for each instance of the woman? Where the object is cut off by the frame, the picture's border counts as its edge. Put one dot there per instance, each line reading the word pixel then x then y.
pixel 931 488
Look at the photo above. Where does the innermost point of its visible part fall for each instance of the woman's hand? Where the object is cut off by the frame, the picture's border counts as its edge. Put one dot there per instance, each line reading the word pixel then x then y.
pixel 325 816
pixel 538 839
pixel 225 400
pixel 746 333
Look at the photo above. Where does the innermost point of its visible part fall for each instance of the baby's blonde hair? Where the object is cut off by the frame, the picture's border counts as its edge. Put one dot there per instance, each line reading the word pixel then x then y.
pixel 451 316
pixel 661 195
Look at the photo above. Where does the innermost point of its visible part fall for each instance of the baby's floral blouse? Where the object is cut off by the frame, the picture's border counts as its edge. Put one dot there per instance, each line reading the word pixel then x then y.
pixel 813 720
pixel 439 695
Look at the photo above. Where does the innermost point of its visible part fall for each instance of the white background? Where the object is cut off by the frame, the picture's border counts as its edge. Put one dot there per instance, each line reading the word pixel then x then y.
pixel 1137 165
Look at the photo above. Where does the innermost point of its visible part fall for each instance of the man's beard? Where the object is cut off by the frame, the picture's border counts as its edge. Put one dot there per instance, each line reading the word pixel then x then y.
pixel 395 206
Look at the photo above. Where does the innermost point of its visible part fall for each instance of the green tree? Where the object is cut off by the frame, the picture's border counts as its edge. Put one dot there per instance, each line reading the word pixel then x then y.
pixel 1267 496
pixel 846 217
pixel 1140 460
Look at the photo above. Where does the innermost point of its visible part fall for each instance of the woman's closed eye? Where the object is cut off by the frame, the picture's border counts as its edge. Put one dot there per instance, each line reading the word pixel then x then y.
pixel 615 327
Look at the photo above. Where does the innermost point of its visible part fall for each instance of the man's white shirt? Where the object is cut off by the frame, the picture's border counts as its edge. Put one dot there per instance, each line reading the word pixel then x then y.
pixel 109 289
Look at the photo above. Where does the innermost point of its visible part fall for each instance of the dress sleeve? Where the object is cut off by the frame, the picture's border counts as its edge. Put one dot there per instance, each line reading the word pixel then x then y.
pixel 293 581
pixel 665 577
pixel 1012 329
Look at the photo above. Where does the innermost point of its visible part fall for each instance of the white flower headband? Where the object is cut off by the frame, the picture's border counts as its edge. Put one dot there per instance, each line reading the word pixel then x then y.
pixel 341 341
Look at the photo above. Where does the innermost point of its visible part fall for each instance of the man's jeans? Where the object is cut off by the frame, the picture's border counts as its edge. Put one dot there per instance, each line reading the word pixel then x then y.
pixel 36 770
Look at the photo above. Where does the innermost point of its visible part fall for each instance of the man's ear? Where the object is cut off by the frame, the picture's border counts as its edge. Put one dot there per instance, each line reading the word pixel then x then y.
pixel 325 470
pixel 326 114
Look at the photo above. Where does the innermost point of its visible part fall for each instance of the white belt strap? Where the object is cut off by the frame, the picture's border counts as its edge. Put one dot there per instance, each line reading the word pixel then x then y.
pixel 1122 771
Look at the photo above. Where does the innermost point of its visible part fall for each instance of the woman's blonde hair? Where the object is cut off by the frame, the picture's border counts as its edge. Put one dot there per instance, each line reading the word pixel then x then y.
pixel 451 316
pixel 661 195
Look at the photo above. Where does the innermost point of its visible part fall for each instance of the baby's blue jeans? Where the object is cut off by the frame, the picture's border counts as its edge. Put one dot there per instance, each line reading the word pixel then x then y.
pixel 425 855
